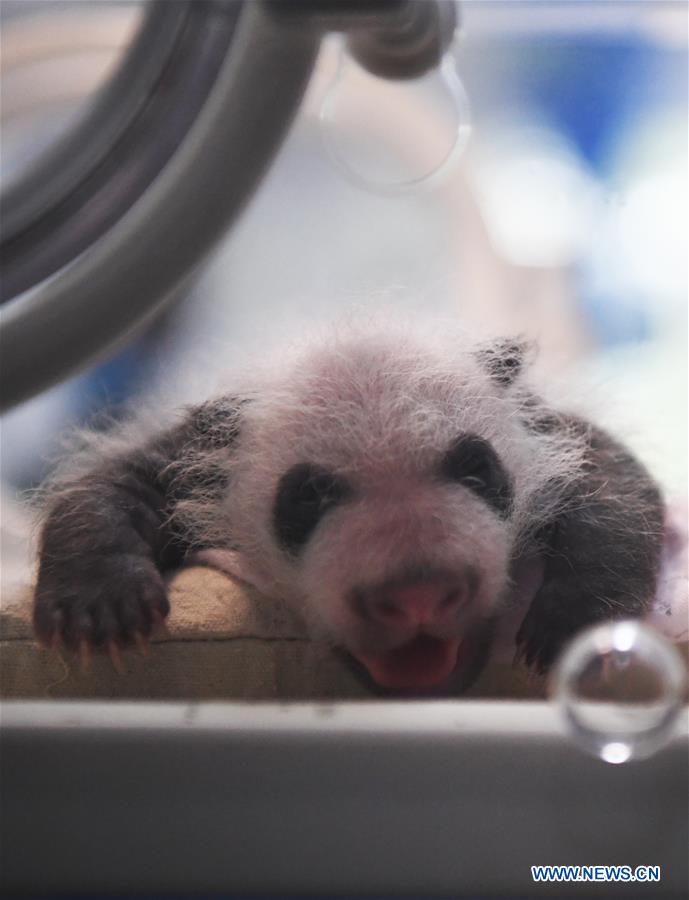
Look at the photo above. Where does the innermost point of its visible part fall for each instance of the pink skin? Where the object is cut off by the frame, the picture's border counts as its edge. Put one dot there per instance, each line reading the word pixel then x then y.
pixel 432 610
pixel 411 632
pixel 400 579
pixel 420 604
pixel 424 662
pixel 404 576
pixel 419 621
pixel 424 609
pixel 380 411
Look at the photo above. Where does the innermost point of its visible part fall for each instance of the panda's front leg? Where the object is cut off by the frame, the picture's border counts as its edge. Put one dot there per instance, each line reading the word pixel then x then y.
pixel 110 534
pixel 100 579
pixel 601 556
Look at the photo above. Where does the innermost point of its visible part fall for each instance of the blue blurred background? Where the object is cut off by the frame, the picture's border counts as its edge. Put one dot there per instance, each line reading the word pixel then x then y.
pixel 565 217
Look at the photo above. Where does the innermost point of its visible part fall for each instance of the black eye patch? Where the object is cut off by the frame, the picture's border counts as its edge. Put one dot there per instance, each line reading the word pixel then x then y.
pixel 472 462
pixel 305 493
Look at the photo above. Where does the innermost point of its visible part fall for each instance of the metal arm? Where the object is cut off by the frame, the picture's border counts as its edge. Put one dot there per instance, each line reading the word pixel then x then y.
pixel 102 229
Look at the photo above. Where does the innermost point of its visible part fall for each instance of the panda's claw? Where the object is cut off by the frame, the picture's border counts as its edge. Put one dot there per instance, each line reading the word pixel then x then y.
pixel 116 658
pixel 85 655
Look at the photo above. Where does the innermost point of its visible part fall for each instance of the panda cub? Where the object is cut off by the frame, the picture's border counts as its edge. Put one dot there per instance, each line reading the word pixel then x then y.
pixel 397 490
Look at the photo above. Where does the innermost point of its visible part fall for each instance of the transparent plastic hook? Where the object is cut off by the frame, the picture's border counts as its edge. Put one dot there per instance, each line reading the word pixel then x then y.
pixel 620 687
pixel 395 137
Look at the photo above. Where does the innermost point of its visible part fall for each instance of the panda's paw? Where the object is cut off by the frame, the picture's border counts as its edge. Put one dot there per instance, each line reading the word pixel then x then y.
pixel 556 614
pixel 100 603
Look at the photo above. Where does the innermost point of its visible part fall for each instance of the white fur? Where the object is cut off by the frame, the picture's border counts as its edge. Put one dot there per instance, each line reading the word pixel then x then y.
pixel 378 405
pixel 380 408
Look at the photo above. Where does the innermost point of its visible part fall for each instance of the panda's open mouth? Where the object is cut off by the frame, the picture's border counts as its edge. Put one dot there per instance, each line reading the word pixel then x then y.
pixel 423 662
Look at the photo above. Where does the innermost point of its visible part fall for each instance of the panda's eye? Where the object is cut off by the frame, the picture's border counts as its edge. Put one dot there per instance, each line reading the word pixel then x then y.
pixel 472 462
pixel 304 494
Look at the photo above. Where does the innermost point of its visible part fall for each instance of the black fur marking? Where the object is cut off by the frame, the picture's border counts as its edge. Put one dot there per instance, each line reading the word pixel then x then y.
pixel 110 534
pixel 304 494
pixel 601 555
pixel 472 462
pixel 504 360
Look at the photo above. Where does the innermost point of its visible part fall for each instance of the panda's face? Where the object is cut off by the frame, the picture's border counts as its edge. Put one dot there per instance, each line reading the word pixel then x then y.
pixel 401 566
pixel 378 487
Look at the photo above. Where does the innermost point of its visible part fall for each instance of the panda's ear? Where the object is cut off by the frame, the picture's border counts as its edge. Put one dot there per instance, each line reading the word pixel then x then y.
pixel 505 358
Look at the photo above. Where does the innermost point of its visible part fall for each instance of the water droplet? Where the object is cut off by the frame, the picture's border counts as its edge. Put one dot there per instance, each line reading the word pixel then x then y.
pixel 395 137
pixel 620 687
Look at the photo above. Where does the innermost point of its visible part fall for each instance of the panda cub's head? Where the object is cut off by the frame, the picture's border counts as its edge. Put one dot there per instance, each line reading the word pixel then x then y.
pixel 384 484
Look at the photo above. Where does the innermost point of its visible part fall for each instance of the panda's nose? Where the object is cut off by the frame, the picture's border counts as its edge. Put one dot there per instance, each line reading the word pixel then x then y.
pixel 412 605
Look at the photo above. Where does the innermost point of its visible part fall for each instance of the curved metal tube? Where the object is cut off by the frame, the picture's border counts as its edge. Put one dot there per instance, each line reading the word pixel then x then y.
pixel 60 169
pixel 75 316
pixel 80 187
pixel 109 222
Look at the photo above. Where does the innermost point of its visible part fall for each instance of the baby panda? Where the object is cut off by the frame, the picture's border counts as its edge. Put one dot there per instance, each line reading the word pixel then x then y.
pixel 398 490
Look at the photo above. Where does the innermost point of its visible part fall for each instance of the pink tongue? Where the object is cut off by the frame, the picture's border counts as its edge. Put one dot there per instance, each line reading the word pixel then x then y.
pixel 423 662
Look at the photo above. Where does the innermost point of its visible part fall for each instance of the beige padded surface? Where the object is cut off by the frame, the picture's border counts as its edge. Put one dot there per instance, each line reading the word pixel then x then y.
pixel 223 641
